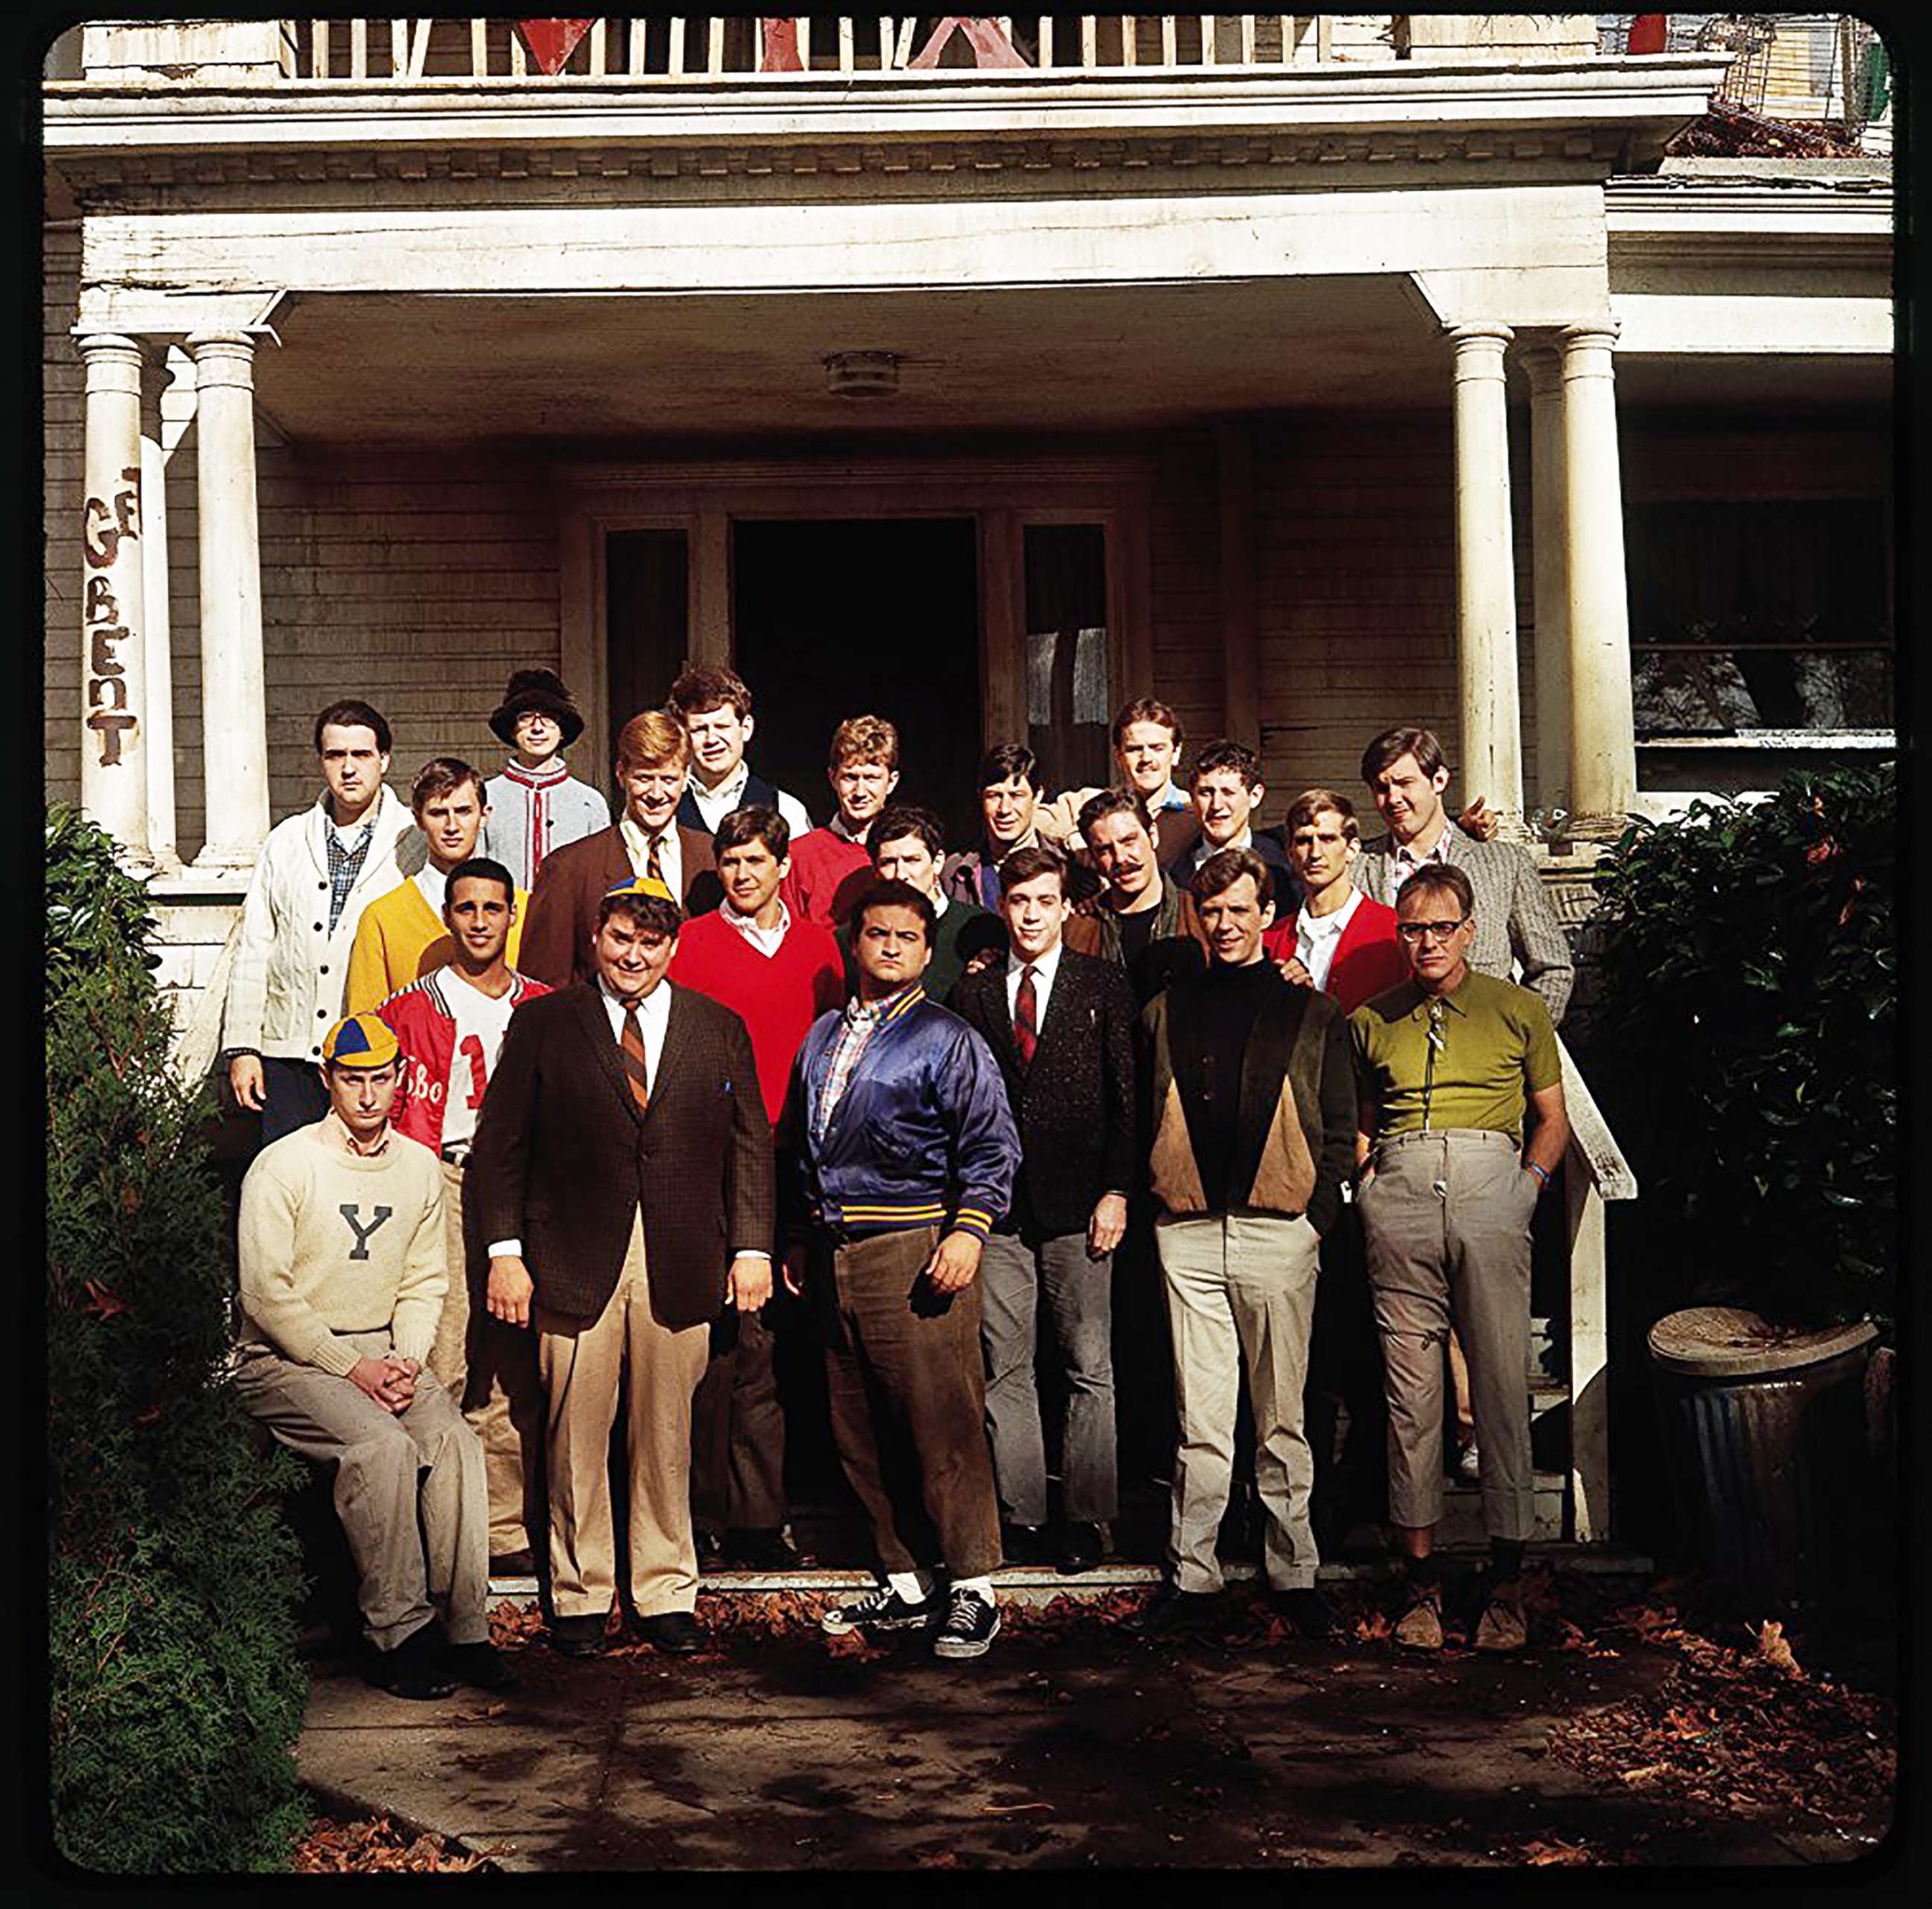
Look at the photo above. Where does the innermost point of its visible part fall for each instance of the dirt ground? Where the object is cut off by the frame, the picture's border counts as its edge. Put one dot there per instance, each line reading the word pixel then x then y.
pixel 1621 1739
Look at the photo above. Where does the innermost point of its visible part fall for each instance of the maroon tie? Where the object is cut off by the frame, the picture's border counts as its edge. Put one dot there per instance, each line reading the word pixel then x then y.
pixel 1026 1028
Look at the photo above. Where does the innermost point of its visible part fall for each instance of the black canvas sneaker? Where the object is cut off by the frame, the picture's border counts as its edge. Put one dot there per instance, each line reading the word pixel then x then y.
pixel 972 1623
pixel 880 1608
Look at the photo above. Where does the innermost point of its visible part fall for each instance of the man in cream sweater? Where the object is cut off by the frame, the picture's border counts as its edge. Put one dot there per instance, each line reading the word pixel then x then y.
pixel 344 1268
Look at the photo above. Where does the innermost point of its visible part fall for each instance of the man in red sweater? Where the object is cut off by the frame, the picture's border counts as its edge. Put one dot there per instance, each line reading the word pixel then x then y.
pixel 830 867
pixel 778 972
pixel 1339 941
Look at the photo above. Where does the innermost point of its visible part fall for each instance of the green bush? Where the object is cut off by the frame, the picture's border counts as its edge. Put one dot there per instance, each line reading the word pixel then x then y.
pixel 176 1692
pixel 1746 1048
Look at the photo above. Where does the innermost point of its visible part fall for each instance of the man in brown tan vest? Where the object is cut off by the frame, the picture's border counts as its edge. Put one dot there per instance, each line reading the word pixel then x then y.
pixel 1252 1107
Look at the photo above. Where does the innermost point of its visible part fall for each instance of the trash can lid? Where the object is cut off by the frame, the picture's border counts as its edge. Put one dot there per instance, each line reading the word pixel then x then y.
pixel 1726 1342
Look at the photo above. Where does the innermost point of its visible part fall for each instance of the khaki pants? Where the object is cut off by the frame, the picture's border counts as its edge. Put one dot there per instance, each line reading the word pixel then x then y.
pixel 1241 1289
pixel 583 1363
pixel 1446 1220
pixel 409 1488
pixel 482 1360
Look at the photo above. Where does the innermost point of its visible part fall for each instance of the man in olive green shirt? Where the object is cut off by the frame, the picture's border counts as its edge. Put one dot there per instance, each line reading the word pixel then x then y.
pixel 1448 1065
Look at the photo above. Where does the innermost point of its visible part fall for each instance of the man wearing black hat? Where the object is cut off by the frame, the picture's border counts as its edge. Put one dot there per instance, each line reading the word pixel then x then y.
pixel 536 805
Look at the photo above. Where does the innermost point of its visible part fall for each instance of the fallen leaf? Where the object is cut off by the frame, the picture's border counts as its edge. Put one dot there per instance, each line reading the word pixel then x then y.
pixel 1772 1648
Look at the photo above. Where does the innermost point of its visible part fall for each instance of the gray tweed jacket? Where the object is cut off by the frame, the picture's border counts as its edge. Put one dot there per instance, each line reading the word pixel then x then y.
pixel 1515 921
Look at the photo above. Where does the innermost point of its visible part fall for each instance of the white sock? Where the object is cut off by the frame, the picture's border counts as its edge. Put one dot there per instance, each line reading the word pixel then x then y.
pixel 914 1586
pixel 980 1586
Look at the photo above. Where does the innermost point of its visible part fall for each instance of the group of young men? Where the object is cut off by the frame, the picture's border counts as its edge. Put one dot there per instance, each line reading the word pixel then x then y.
pixel 564 1115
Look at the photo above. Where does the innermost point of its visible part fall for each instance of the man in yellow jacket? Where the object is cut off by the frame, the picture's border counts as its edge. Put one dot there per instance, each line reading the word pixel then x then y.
pixel 402 935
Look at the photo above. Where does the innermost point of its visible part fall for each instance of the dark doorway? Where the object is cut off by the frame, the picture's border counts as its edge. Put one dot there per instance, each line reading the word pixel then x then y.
pixel 833 619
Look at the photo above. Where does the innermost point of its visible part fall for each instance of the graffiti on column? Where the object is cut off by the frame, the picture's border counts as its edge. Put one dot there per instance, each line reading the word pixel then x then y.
pixel 106 528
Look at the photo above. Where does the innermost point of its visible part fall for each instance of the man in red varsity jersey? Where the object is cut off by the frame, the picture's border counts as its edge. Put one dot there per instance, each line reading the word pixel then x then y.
pixel 777 972
pixel 450 1025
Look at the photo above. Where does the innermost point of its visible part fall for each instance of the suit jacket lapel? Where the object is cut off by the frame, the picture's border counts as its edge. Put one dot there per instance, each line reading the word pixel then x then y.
pixel 597 1030
pixel 677 1038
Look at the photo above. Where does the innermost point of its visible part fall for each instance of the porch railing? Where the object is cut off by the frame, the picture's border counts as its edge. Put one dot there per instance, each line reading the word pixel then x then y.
pixel 714 46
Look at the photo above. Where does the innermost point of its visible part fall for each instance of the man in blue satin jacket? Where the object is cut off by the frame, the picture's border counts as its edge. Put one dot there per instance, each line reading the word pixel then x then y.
pixel 909 1150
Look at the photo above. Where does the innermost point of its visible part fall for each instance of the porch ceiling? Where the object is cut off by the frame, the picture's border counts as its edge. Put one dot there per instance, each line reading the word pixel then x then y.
pixel 393 370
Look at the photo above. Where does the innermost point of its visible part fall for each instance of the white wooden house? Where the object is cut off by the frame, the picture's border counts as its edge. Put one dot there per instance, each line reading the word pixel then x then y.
pixel 1313 372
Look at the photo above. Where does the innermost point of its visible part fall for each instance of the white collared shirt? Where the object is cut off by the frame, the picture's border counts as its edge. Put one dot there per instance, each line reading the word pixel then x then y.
pixel 653 1017
pixel 714 805
pixel 766 941
pixel 670 856
pixel 1044 969
pixel 433 885
pixel 1203 848
pixel 1317 936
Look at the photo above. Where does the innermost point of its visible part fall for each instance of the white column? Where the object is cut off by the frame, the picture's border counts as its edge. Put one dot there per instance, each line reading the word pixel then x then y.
pixel 113 748
pixel 1550 540
pixel 1486 661
pixel 234 703
pixel 160 751
pixel 1602 740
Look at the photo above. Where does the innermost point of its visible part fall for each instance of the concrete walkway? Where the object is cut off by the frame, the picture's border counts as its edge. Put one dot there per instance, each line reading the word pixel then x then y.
pixel 1066 1746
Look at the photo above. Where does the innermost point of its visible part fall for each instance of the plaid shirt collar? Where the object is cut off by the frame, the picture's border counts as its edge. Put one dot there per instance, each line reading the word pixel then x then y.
pixel 345 864
pixel 862 1020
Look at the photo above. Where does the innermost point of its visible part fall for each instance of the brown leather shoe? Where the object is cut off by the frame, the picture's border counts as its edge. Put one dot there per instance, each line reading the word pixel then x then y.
pixel 1420 1626
pixel 1501 1626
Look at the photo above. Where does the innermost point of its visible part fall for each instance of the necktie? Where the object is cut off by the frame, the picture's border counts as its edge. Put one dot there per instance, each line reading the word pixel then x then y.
pixel 654 867
pixel 1026 1028
pixel 630 1048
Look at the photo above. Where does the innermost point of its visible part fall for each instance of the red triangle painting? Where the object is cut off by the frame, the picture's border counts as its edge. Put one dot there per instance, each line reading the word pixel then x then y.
pixel 552 42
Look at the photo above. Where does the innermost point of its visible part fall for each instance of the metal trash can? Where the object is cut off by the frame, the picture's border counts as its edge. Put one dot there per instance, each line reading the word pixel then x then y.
pixel 1765 1437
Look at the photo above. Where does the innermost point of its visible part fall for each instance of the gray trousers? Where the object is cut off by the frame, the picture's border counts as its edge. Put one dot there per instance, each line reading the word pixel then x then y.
pixel 1446 1220
pixel 409 1488
pixel 1079 1303
pixel 1241 1289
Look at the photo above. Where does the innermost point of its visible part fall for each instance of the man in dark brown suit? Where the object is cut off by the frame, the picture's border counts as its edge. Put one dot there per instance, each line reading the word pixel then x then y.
pixel 653 764
pixel 622 1176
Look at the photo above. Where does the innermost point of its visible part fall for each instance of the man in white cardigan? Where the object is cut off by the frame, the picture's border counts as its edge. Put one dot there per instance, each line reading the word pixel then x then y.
pixel 316 874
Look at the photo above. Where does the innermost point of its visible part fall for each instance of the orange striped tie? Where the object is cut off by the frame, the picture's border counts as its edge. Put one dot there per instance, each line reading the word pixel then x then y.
pixel 630 1047
pixel 654 867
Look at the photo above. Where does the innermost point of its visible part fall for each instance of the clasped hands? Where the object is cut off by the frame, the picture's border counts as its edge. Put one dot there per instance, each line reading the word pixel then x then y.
pixel 390 1382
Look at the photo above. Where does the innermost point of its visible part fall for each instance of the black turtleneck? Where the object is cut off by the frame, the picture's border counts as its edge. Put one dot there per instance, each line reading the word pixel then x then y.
pixel 1225 1004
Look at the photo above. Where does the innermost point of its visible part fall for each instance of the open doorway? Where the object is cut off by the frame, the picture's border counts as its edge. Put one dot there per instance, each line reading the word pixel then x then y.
pixel 833 618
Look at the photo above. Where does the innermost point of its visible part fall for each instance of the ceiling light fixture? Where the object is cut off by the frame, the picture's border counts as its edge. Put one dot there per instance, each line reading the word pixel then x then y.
pixel 862 374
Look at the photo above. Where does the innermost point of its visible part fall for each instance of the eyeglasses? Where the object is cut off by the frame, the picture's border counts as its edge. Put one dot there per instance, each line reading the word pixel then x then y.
pixel 1430 931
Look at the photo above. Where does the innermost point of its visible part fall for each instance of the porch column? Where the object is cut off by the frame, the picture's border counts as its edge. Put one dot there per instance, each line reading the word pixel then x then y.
pixel 1485 663
pixel 113 751
pixel 234 702
pixel 1603 736
pixel 1550 539
pixel 160 751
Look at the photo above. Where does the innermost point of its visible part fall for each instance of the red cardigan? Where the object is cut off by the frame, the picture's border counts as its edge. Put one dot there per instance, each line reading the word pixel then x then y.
pixel 1368 960
pixel 778 996
pixel 828 875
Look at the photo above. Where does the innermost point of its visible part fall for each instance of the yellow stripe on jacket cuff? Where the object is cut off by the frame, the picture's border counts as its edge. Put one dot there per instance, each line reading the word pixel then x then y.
pixel 971 1220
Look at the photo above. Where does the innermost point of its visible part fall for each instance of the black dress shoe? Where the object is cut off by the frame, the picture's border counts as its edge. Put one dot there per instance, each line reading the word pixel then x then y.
pixel 1307 1611
pixel 673 1632
pixel 710 1548
pixel 513 1564
pixel 1079 1548
pixel 1022 1544
pixel 1175 1613
pixel 480 1664
pixel 580 1637
pixel 415 1668
pixel 768 1550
